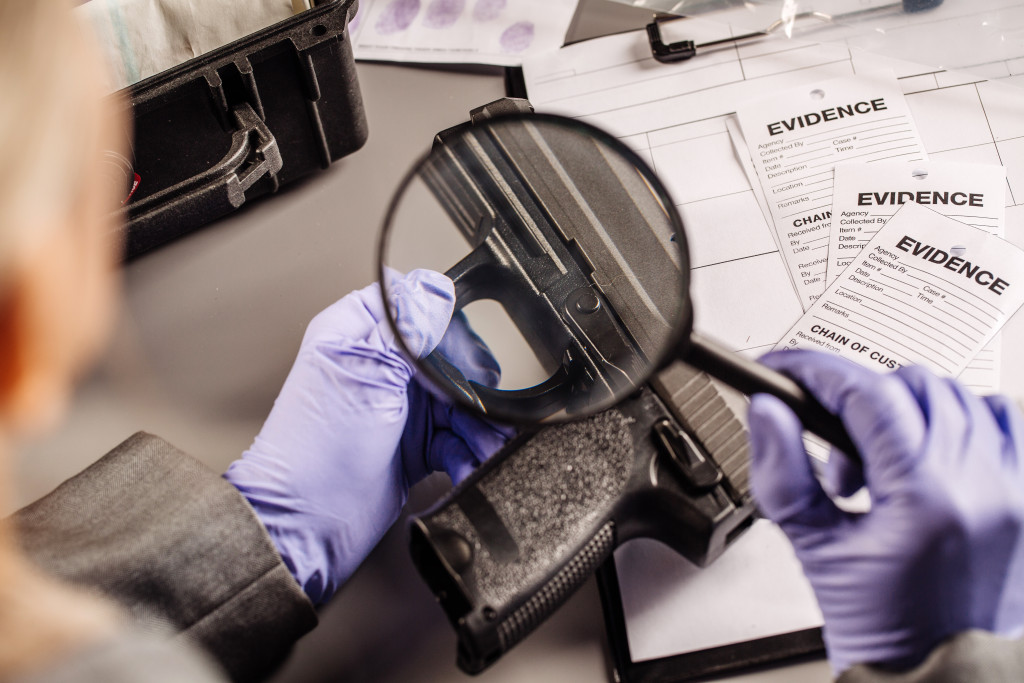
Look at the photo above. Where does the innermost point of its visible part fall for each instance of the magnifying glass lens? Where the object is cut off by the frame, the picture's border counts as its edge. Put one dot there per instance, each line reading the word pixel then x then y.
pixel 568 261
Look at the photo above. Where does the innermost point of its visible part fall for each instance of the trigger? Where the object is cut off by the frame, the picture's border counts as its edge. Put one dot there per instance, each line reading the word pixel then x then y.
pixel 456 382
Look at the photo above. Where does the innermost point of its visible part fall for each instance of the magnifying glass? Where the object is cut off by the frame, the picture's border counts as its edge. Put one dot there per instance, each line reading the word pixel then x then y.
pixel 570 263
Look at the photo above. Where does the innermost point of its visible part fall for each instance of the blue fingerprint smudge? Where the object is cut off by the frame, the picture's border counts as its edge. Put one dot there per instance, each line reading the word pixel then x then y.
pixel 443 13
pixel 488 10
pixel 397 16
pixel 517 37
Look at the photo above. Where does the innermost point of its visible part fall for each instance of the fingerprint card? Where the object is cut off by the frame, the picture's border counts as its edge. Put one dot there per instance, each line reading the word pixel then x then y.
pixel 500 32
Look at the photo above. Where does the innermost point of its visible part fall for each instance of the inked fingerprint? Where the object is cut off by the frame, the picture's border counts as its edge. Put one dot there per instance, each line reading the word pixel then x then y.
pixel 488 10
pixel 397 16
pixel 443 13
pixel 517 37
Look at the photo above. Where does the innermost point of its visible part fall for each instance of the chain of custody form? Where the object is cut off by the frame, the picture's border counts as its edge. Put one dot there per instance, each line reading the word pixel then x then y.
pixel 925 290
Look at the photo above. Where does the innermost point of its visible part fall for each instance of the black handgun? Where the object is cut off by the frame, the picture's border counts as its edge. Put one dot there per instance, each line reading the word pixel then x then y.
pixel 512 542
pixel 545 212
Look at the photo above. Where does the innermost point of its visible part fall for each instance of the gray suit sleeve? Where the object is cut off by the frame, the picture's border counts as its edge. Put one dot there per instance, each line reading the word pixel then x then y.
pixel 177 546
pixel 971 656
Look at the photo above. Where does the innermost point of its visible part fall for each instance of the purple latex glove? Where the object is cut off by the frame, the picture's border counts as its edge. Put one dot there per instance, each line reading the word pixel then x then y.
pixel 351 431
pixel 940 551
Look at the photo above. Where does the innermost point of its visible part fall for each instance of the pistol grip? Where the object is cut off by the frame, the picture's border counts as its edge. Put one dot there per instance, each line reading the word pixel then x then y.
pixel 509 545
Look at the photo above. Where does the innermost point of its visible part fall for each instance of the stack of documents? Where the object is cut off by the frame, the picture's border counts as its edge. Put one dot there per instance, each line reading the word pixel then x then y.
pixel 762 245
pixel 839 169
pixel 679 117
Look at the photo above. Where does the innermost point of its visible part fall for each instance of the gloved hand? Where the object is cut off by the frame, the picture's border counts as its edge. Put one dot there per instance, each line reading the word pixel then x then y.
pixel 351 431
pixel 940 550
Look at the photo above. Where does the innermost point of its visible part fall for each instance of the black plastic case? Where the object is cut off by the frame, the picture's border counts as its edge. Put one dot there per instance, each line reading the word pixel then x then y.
pixel 239 122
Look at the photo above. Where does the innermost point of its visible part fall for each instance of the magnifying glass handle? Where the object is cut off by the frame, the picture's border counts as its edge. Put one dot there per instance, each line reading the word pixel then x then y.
pixel 751 377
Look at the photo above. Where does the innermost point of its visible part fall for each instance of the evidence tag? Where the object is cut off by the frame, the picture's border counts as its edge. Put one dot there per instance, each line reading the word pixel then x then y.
pixel 925 290
pixel 795 139
pixel 865 196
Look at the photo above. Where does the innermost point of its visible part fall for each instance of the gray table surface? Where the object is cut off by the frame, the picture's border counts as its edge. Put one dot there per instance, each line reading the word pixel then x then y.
pixel 210 326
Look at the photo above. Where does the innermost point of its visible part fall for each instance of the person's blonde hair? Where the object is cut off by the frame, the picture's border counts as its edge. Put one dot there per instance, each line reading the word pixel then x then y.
pixel 47 136
pixel 50 134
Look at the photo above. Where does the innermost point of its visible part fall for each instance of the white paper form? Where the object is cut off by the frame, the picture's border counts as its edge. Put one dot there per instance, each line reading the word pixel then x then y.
pixel 774 598
pixel 926 290
pixel 865 196
pixel 797 136
pixel 500 32
pixel 675 116
pixel 963 119
pixel 977 36
pixel 672 114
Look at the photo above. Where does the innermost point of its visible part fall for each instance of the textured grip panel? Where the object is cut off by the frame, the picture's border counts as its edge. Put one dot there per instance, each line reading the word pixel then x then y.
pixel 549 598
pixel 508 545
pixel 525 514
pixel 699 405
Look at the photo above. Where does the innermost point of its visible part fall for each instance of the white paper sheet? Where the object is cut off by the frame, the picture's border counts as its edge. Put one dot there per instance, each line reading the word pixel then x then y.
pixel 758 583
pixel 500 32
pixel 797 136
pixel 140 38
pixel 676 115
pixel 926 290
pixel 983 373
pixel 866 196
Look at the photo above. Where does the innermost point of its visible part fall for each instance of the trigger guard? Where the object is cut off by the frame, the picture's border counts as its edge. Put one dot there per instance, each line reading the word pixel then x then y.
pixel 530 404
